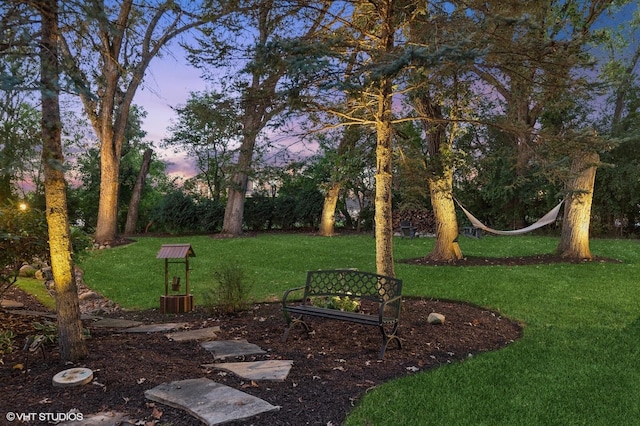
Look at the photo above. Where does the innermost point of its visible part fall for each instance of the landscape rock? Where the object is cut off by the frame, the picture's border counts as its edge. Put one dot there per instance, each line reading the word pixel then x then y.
pixel 44 274
pixel 435 318
pixel 27 271
pixel 89 295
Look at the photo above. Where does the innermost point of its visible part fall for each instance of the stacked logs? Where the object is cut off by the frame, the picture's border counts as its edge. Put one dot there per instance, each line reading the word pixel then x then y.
pixel 422 219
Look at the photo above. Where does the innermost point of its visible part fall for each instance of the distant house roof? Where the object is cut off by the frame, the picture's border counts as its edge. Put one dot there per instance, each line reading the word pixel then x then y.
pixel 175 251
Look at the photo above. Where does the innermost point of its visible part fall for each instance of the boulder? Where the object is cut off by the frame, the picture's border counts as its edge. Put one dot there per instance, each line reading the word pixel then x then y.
pixel 44 274
pixel 27 271
pixel 435 318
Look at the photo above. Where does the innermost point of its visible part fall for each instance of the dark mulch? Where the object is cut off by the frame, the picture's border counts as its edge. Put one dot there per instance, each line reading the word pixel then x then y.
pixel 538 259
pixel 333 367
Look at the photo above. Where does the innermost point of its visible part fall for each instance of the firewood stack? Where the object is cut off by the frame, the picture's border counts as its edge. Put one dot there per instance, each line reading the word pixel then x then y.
pixel 422 219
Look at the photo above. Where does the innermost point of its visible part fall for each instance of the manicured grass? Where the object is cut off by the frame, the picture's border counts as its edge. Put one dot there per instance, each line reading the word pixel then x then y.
pixel 132 276
pixel 37 289
pixel 578 362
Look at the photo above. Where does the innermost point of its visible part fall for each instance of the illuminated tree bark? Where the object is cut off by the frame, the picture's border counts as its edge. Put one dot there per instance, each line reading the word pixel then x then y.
pixel 446 247
pixel 383 117
pixel 383 210
pixel 70 338
pixel 328 218
pixel 107 54
pixel 440 179
pixel 574 241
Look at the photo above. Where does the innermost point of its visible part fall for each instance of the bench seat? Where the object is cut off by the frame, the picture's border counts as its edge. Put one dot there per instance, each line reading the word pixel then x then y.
pixel 380 294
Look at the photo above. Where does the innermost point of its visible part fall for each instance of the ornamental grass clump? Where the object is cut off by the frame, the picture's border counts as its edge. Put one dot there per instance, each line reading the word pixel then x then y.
pixel 230 292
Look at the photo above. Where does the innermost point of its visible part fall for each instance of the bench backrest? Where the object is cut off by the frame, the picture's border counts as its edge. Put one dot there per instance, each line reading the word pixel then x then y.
pixel 363 285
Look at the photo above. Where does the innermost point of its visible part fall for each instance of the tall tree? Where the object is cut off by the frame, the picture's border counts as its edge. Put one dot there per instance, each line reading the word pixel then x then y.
pixel 617 186
pixel 268 81
pixel 134 204
pixel 534 50
pixel 438 93
pixel 341 170
pixel 206 129
pixel 70 336
pixel 107 49
pixel 266 94
pixel 381 94
pixel 19 118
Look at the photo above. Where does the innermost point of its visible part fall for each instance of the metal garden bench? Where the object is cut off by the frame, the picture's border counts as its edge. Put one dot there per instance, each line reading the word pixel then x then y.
pixel 378 296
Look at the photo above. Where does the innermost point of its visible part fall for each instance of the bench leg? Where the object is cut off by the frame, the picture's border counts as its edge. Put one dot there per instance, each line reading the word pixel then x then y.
pixel 292 323
pixel 387 338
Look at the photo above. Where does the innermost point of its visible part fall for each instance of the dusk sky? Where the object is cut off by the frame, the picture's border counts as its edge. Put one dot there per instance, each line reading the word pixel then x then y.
pixel 167 84
pixel 170 79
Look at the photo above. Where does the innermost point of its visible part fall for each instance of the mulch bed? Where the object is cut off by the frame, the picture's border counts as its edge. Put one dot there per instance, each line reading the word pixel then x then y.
pixel 333 367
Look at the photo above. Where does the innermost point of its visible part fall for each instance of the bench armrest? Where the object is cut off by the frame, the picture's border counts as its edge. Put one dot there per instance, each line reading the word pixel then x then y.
pixel 285 296
pixel 392 301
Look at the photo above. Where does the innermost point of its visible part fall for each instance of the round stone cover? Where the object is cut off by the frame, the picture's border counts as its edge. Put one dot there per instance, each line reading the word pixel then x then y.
pixel 73 377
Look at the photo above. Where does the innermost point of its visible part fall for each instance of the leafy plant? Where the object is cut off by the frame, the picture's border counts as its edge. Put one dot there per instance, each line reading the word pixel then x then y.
pixel 6 343
pixel 345 303
pixel 47 329
pixel 231 292
pixel 23 236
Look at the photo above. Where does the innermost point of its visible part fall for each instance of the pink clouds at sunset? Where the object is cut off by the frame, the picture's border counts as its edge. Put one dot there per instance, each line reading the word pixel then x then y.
pixel 167 84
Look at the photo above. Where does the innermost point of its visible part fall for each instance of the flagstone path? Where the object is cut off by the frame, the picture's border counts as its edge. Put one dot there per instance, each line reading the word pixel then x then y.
pixel 274 370
pixel 223 349
pixel 212 403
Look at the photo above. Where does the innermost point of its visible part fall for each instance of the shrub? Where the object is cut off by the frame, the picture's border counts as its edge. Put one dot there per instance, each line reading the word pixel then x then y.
pixel 211 215
pixel 23 236
pixel 258 212
pixel 230 292
pixel 178 212
pixel 284 212
pixel 309 207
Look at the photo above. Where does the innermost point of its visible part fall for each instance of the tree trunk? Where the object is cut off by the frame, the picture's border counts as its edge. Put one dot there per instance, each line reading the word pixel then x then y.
pixel 70 338
pixel 383 210
pixel 134 204
pixel 107 225
pixel 574 242
pixel 234 210
pixel 440 179
pixel 446 247
pixel 328 220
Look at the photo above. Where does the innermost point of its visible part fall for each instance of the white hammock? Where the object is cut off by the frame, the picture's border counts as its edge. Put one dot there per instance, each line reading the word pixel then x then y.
pixel 544 220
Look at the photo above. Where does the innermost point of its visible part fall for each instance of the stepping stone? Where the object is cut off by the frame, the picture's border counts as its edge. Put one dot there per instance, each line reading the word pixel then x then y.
pixel 110 418
pixel 154 328
pixel 222 349
pixel 212 403
pixel 50 315
pixel 73 377
pixel 11 304
pixel 199 334
pixel 30 313
pixel 274 370
pixel 116 323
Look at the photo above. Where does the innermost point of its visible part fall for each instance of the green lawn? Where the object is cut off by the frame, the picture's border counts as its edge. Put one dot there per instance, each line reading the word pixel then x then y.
pixel 577 364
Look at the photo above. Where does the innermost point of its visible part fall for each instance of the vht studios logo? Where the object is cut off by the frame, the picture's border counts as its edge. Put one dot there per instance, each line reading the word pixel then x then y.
pixel 44 417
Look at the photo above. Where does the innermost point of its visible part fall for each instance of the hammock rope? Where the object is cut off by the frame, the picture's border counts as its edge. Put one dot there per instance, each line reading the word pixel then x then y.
pixel 543 221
